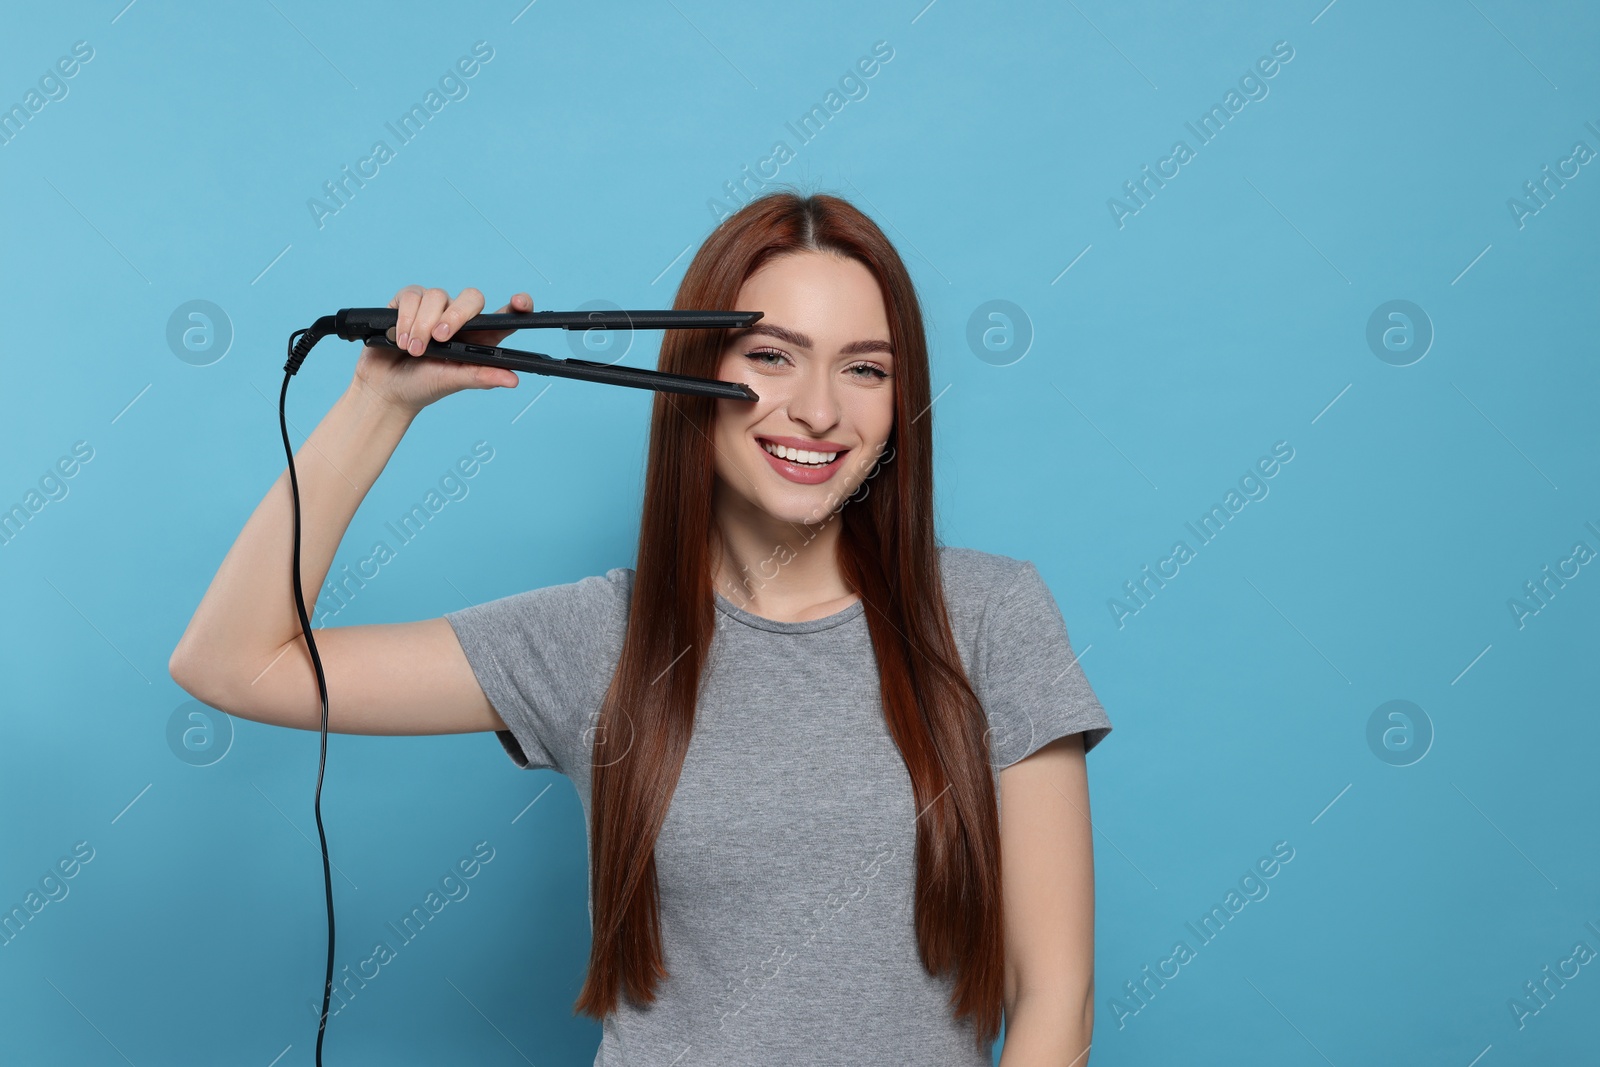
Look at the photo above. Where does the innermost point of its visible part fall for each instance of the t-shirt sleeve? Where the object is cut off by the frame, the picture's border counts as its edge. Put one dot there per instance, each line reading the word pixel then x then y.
pixel 1032 686
pixel 544 658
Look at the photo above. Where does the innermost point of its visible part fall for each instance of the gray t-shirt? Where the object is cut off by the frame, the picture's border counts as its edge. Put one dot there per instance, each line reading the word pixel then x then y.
pixel 786 863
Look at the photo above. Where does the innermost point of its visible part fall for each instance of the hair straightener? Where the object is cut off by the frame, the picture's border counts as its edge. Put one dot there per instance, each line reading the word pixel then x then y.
pixel 371 326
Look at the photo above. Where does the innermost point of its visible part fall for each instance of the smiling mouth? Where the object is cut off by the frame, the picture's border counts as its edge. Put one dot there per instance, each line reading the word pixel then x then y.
pixel 800 457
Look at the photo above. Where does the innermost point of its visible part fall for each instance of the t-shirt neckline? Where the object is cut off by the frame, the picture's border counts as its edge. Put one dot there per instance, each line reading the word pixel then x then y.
pixel 761 622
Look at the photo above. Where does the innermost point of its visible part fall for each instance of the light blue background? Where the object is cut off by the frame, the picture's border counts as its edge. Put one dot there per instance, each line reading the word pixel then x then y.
pixel 1228 314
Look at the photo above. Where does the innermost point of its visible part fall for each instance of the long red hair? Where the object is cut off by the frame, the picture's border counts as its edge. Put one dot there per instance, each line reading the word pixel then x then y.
pixel 887 555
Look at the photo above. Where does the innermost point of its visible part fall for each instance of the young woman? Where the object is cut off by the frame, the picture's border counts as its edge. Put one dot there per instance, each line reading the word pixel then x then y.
pixel 793 724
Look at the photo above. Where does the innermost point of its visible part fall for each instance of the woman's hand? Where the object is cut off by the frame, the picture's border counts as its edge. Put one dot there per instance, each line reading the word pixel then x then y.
pixel 411 381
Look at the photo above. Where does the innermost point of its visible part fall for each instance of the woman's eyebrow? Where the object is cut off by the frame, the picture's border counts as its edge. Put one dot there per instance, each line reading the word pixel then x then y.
pixel 800 340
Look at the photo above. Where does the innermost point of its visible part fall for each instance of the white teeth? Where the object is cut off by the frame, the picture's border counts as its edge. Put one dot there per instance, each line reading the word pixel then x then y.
pixel 795 455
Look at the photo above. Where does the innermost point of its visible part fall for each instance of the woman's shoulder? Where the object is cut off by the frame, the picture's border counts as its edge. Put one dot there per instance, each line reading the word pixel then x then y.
pixel 615 584
pixel 973 576
pixel 1011 629
pixel 609 586
pixel 977 589
pixel 588 601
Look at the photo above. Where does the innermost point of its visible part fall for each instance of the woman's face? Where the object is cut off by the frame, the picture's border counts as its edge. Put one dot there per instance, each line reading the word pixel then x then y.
pixel 819 357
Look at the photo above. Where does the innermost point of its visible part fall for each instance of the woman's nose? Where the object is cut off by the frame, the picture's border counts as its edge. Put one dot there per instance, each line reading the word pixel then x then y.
pixel 814 402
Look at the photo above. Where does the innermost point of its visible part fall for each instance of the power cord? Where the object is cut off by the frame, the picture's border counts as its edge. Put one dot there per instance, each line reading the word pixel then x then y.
pixel 300 345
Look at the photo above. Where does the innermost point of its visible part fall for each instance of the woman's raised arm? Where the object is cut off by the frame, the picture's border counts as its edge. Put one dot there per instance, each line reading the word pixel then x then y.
pixel 243 651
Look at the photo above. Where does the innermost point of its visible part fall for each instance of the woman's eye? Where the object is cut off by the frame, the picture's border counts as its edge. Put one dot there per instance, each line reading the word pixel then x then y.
pixel 758 353
pixel 873 371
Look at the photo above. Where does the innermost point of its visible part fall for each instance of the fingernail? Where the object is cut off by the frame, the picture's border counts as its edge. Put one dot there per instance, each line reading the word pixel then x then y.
pixel 404 340
pixel 440 331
